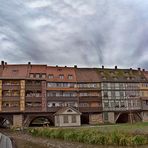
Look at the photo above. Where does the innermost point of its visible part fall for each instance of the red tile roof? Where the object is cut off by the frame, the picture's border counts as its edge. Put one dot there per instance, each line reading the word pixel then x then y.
pixel 56 71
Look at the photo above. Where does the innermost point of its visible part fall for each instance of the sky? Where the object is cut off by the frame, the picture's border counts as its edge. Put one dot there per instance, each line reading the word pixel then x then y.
pixel 87 33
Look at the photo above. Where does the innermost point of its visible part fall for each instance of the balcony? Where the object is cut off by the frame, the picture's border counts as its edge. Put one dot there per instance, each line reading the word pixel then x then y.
pixel 11 87
pixel 89 88
pixel 33 99
pixel 144 98
pixel 121 108
pixel 33 109
pixel 53 109
pixel 90 109
pixel 90 99
pixel 62 99
pixel 11 98
pixel 144 106
pixel 33 87
pixel 10 109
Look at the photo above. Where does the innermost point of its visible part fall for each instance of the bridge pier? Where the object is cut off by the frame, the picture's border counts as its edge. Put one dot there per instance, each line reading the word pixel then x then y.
pixel 18 120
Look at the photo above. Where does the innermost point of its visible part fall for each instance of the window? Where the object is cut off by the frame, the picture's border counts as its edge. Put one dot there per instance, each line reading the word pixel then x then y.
pixel 61 76
pixel 106 104
pixel 65 118
pixel 31 75
pixel 43 75
pixel 73 118
pixel 146 102
pixel 37 75
pixel 113 93
pixel 70 77
pixel 121 94
pixel 105 114
pixel 105 85
pixel 69 110
pixel 105 94
pixel 50 76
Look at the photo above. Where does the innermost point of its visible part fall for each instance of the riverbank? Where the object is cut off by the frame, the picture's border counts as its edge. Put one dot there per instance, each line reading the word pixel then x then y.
pixel 120 135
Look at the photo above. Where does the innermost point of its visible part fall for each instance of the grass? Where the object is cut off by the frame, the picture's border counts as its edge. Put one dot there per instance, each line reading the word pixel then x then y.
pixel 123 135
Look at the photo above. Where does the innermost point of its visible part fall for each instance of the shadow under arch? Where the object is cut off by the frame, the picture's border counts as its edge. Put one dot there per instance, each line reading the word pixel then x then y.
pixel 6 122
pixel 41 121
pixel 123 118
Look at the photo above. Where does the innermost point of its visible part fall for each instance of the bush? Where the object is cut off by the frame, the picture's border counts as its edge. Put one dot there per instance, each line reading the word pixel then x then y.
pixel 139 140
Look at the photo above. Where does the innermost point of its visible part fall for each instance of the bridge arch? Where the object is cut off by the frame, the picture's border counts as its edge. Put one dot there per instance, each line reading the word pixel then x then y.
pixel 123 118
pixel 6 121
pixel 41 121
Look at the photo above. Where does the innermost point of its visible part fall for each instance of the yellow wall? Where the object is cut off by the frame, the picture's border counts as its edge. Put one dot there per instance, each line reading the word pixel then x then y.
pixel 0 95
pixel 22 96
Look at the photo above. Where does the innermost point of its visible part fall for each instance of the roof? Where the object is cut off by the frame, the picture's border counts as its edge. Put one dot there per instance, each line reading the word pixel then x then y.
pixel 62 110
pixel 128 75
pixel 14 71
pixel 65 71
pixel 87 75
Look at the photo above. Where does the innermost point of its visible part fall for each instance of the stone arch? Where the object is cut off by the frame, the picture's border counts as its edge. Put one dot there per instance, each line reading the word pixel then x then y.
pixel 30 119
pixel 123 118
pixel 6 121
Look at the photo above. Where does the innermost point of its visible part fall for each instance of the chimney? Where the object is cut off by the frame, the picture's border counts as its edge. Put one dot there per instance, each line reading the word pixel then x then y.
pixel 116 67
pixel 131 70
pixel 75 66
pixel 29 63
pixel 3 64
pixel 143 70
pixel 102 66
pixel 139 71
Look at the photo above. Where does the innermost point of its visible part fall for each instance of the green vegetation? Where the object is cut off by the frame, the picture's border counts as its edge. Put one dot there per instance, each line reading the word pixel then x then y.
pixel 123 135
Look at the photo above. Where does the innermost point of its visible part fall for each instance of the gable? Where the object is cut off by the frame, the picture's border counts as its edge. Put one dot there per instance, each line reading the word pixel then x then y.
pixel 68 110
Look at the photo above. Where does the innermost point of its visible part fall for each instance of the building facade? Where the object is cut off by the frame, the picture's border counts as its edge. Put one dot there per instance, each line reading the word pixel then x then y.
pixel 30 91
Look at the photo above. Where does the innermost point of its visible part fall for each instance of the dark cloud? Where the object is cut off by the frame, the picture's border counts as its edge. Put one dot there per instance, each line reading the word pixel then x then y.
pixel 67 32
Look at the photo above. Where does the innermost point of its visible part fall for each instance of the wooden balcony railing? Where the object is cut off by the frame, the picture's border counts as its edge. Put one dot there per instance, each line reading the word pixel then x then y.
pixel 11 87
pixel 122 108
pixel 33 109
pixel 33 87
pixel 90 109
pixel 11 98
pixel 90 98
pixel 10 109
pixel 89 88
pixel 33 99
pixel 63 99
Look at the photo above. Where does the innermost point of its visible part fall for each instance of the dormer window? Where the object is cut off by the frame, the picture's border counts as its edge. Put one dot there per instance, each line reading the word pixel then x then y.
pixel 70 77
pixel 43 75
pixel 50 76
pixel 31 75
pixel 61 76
pixel 37 75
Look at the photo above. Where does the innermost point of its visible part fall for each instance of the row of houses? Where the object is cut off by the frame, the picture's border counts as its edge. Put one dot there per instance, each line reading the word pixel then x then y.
pixel 97 95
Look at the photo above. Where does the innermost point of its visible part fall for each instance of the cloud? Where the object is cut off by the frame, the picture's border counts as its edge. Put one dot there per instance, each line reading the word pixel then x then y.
pixel 67 32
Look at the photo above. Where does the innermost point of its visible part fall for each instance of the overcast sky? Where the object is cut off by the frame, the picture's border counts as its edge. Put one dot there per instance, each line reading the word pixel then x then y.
pixel 68 32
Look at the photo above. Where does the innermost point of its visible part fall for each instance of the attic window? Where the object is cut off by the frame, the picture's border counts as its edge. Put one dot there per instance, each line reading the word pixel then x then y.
pixel 50 76
pixel 31 75
pixel 61 76
pixel 70 77
pixel 69 110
